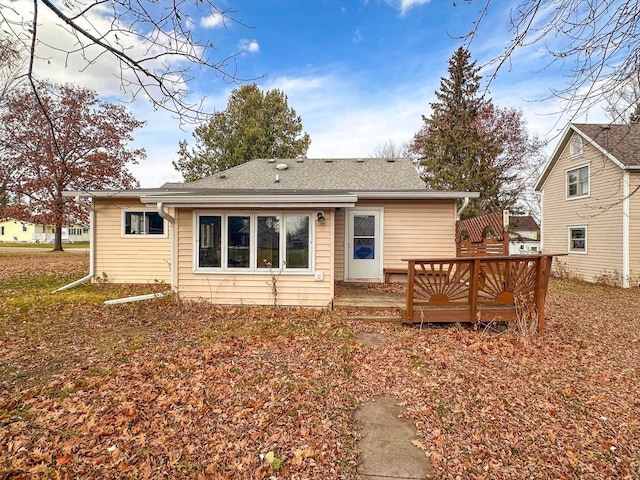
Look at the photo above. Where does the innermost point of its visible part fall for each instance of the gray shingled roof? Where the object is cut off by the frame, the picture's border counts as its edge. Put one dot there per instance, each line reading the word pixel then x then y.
pixel 621 141
pixel 336 174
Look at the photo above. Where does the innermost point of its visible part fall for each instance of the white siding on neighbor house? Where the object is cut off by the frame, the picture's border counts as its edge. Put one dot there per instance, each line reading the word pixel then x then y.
pixel 634 228
pixel 412 229
pixel 119 259
pixel 231 288
pixel 600 213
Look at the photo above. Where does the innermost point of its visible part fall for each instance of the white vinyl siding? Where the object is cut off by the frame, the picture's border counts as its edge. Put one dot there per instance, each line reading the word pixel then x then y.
pixel 123 258
pixel 600 213
pixel 411 229
pixel 238 287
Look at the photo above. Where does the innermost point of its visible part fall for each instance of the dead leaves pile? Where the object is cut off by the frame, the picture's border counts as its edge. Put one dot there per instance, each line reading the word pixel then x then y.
pixel 186 390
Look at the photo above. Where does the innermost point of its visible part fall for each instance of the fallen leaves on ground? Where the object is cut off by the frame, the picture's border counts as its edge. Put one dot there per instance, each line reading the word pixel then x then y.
pixel 174 389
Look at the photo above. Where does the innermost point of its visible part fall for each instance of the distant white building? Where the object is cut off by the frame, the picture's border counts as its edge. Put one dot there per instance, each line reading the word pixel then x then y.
pixel 524 235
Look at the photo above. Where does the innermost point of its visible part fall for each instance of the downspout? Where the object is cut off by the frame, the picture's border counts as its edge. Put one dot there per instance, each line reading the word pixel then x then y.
pixel 465 204
pixel 137 298
pixel 172 221
pixel 626 273
pixel 92 237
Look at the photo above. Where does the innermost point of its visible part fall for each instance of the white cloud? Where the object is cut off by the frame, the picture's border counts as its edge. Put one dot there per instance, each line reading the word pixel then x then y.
pixel 250 46
pixel 406 5
pixel 214 20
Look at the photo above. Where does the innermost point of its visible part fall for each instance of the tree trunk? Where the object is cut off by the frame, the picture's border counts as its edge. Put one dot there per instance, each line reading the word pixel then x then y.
pixel 57 242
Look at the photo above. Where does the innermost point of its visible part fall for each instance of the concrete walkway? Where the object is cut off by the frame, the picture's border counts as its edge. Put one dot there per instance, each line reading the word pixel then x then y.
pixel 386 451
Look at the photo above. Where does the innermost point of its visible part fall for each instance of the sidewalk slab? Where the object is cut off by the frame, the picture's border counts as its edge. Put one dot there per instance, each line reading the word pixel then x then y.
pixel 386 451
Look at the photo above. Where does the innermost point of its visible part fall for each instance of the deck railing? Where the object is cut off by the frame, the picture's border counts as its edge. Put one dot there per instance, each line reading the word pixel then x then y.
pixel 477 289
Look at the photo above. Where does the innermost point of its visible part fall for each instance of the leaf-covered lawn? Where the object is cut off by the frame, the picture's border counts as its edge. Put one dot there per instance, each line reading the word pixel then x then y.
pixel 169 389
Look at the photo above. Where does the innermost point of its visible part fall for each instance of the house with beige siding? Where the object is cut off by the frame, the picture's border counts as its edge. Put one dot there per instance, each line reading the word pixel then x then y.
pixel 308 223
pixel 591 202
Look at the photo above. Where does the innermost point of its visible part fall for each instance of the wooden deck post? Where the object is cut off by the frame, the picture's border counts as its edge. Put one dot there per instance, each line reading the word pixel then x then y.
pixel 542 283
pixel 410 281
pixel 473 291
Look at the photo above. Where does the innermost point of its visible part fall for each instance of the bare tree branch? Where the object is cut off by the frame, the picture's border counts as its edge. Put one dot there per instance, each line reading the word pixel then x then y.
pixel 596 42
pixel 153 44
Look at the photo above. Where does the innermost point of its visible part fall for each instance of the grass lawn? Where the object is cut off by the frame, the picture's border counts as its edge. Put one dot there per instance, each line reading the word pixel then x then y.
pixel 44 245
pixel 170 389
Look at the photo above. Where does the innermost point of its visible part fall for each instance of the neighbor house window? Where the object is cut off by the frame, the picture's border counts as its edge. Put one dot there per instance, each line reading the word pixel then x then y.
pixel 2 230
pixel 143 223
pixel 24 227
pixel 578 182
pixel 575 148
pixel 253 242
pixel 578 239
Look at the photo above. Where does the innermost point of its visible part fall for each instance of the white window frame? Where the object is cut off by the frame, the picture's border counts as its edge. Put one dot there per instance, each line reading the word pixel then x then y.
pixel 576 150
pixel 577 169
pixel 165 224
pixel 253 268
pixel 570 246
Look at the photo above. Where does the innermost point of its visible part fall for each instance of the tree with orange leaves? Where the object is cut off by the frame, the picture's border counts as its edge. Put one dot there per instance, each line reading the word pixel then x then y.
pixel 67 139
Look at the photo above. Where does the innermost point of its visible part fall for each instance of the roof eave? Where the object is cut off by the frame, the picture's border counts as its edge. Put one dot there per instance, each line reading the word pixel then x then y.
pixel 254 200
pixel 416 195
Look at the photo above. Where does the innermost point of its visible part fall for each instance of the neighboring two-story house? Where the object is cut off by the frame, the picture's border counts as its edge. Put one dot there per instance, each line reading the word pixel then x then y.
pixel 591 202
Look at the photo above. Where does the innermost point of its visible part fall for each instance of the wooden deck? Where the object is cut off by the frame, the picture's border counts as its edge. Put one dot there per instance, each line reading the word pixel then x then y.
pixel 367 304
pixel 477 289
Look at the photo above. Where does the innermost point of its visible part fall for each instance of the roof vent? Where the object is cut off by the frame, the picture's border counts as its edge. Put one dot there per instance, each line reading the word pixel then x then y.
pixel 328 160
pixel 360 160
pixel 391 160
pixel 282 166
pixel 222 175
pixel 299 160
pixel 271 160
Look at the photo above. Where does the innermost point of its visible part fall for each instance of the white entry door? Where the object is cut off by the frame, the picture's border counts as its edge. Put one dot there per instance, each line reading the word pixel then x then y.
pixel 363 244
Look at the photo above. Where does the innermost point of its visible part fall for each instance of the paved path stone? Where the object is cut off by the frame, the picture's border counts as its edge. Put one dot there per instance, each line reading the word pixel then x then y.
pixel 386 451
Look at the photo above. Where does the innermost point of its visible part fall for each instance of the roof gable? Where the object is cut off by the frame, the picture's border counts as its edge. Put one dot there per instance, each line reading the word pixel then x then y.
pixel 524 223
pixel 620 143
pixel 339 174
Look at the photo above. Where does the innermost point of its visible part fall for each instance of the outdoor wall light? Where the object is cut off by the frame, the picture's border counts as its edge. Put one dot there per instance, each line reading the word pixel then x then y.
pixel 320 216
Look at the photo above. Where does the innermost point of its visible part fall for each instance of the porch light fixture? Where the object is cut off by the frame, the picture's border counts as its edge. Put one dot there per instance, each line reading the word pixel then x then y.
pixel 320 216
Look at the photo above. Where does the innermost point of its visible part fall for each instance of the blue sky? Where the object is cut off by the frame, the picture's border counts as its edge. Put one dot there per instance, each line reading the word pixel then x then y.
pixel 359 73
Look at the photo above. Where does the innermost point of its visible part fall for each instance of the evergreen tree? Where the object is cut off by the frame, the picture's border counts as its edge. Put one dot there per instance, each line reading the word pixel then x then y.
pixel 468 144
pixel 254 125
pixel 634 117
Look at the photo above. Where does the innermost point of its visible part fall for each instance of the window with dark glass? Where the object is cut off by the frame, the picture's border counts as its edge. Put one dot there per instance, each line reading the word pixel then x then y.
pixel 143 223
pixel 238 241
pixel 297 255
pixel 578 239
pixel 268 242
pixel 210 245
pixel 364 239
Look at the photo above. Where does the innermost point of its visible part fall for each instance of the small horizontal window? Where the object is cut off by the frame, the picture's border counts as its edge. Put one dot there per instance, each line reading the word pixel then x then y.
pixel 143 223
